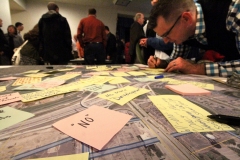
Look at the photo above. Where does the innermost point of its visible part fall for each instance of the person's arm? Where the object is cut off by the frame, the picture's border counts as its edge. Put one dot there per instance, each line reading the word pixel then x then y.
pixel 68 36
pixel 223 69
pixel 158 44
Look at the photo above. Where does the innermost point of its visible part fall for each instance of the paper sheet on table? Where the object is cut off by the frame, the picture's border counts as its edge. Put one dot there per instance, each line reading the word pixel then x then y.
pixel 26 80
pixel 2 88
pixel 154 69
pixel 118 80
pixel 136 73
pixel 32 71
pixel 71 87
pixel 188 89
pixel 82 156
pixel 97 74
pixel 91 67
pixel 9 98
pixel 11 116
pixel 38 75
pixel 49 83
pixel 198 84
pixel 66 77
pixel 94 126
pixel 186 116
pixel 99 88
pixel 97 80
pixel 65 69
pixel 123 95
pixel 152 72
pixel 74 73
pixel 8 78
pixel 220 79
pixel 120 74
pixel 145 79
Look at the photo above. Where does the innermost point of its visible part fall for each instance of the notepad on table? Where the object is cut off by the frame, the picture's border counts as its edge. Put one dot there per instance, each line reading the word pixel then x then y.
pixel 188 89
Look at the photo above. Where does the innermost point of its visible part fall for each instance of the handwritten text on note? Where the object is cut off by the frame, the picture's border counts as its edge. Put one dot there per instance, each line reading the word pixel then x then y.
pixel 94 126
pixel 186 116
pixel 9 98
pixel 123 95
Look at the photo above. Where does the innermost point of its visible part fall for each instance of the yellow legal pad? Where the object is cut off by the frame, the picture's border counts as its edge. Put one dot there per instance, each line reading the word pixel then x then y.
pixel 186 116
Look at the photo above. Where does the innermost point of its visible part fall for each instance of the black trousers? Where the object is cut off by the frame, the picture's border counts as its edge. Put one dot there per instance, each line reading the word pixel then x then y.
pixel 94 51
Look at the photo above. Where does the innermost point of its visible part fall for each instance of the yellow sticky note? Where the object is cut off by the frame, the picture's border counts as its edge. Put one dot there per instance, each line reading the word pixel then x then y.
pixel 152 72
pixel 118 80
pixel 120 74
pixel 123 95
pixel 32 71
pixel 38 75
pixel 91 67
pixel 26 80
pixel 76 86
pixel 66 77
pixel 82 156
pixel 201 85
pixel 186 116
pixel 2 88
pixel 135 73
pixel 96 80
pixel 155 69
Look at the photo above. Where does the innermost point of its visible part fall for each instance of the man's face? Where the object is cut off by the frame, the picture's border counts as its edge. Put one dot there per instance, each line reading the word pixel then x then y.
pixel 153 2
pixel 176 30
pixel 11 30
pixel 141 19
pixel 20 28
pixel 1 23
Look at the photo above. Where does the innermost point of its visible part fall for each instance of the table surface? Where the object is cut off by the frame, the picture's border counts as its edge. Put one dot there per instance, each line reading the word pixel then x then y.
pixel 36 138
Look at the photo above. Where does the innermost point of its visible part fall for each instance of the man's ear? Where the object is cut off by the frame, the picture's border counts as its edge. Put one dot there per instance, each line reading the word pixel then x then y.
pixel 187 18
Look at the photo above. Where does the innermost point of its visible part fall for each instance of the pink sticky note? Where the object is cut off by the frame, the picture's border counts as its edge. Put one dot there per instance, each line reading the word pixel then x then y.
pixel 94 126
pixel 188 89
pixel 8 78
pixel 9 98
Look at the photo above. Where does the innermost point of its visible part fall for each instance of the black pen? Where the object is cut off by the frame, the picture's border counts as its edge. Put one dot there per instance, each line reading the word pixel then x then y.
pixel 231 120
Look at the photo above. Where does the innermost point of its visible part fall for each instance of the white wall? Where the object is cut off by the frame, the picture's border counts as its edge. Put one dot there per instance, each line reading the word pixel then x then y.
pixel 5 14
pixel 22 3
pixel 73 13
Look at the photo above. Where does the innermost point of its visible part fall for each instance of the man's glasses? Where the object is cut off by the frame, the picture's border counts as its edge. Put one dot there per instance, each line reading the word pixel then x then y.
pixel 168 32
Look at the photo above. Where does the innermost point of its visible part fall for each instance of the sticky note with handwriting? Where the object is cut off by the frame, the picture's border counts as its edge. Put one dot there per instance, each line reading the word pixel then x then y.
pixel 38 75
pixel 94 126
pixel 123 95
pixel 2 88
pixel 99 88
pixel 9 98
pixel 26 80
pixel 10 116
pixel 136 73
pixel 186 116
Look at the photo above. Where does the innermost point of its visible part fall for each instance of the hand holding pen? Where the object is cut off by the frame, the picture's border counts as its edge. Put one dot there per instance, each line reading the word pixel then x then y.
pixel 153 62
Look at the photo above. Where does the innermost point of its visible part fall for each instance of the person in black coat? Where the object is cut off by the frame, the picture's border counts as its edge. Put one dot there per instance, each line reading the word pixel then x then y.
pixel 111 49
pixel 4 48
pixel 136 33
pixel 55 37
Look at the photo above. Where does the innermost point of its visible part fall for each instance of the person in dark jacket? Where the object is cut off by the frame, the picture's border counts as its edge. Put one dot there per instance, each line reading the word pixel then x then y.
pixel 111 49
pixel 4 47
pixel 136 33
pixel 55 37
pixel 30 51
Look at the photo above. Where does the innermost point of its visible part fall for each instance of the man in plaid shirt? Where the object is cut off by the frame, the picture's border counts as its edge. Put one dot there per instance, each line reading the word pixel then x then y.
pixel 206 24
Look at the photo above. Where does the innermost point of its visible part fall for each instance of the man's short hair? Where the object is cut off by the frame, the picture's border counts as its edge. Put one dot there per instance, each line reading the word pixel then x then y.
pixel 52 6
pixel 92 11
pixel 137 16
pixel 169 10
pixel 106 28
pixel 17 24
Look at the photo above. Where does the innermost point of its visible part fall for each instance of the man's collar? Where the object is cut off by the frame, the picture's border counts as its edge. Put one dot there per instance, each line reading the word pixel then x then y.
pixel 200 24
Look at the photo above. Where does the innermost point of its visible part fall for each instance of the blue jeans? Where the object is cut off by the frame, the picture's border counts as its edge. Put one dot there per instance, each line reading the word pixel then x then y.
pixel 94 51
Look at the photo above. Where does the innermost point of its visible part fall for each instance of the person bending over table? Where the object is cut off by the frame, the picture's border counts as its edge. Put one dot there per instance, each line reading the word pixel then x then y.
pixel 206 24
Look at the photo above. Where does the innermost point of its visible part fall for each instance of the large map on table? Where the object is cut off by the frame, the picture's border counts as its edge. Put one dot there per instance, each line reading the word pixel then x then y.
pixel 148 135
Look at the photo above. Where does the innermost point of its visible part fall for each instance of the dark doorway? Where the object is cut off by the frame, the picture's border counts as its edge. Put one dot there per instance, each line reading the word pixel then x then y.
pixel 124 23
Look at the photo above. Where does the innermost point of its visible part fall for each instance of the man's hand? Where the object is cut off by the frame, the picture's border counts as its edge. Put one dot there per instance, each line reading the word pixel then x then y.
pixel 108 57
pixel 143 42
pixel 153 63
pixel 186 67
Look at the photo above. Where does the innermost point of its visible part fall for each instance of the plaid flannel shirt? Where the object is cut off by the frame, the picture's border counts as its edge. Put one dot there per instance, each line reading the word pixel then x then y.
pixel 232 24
